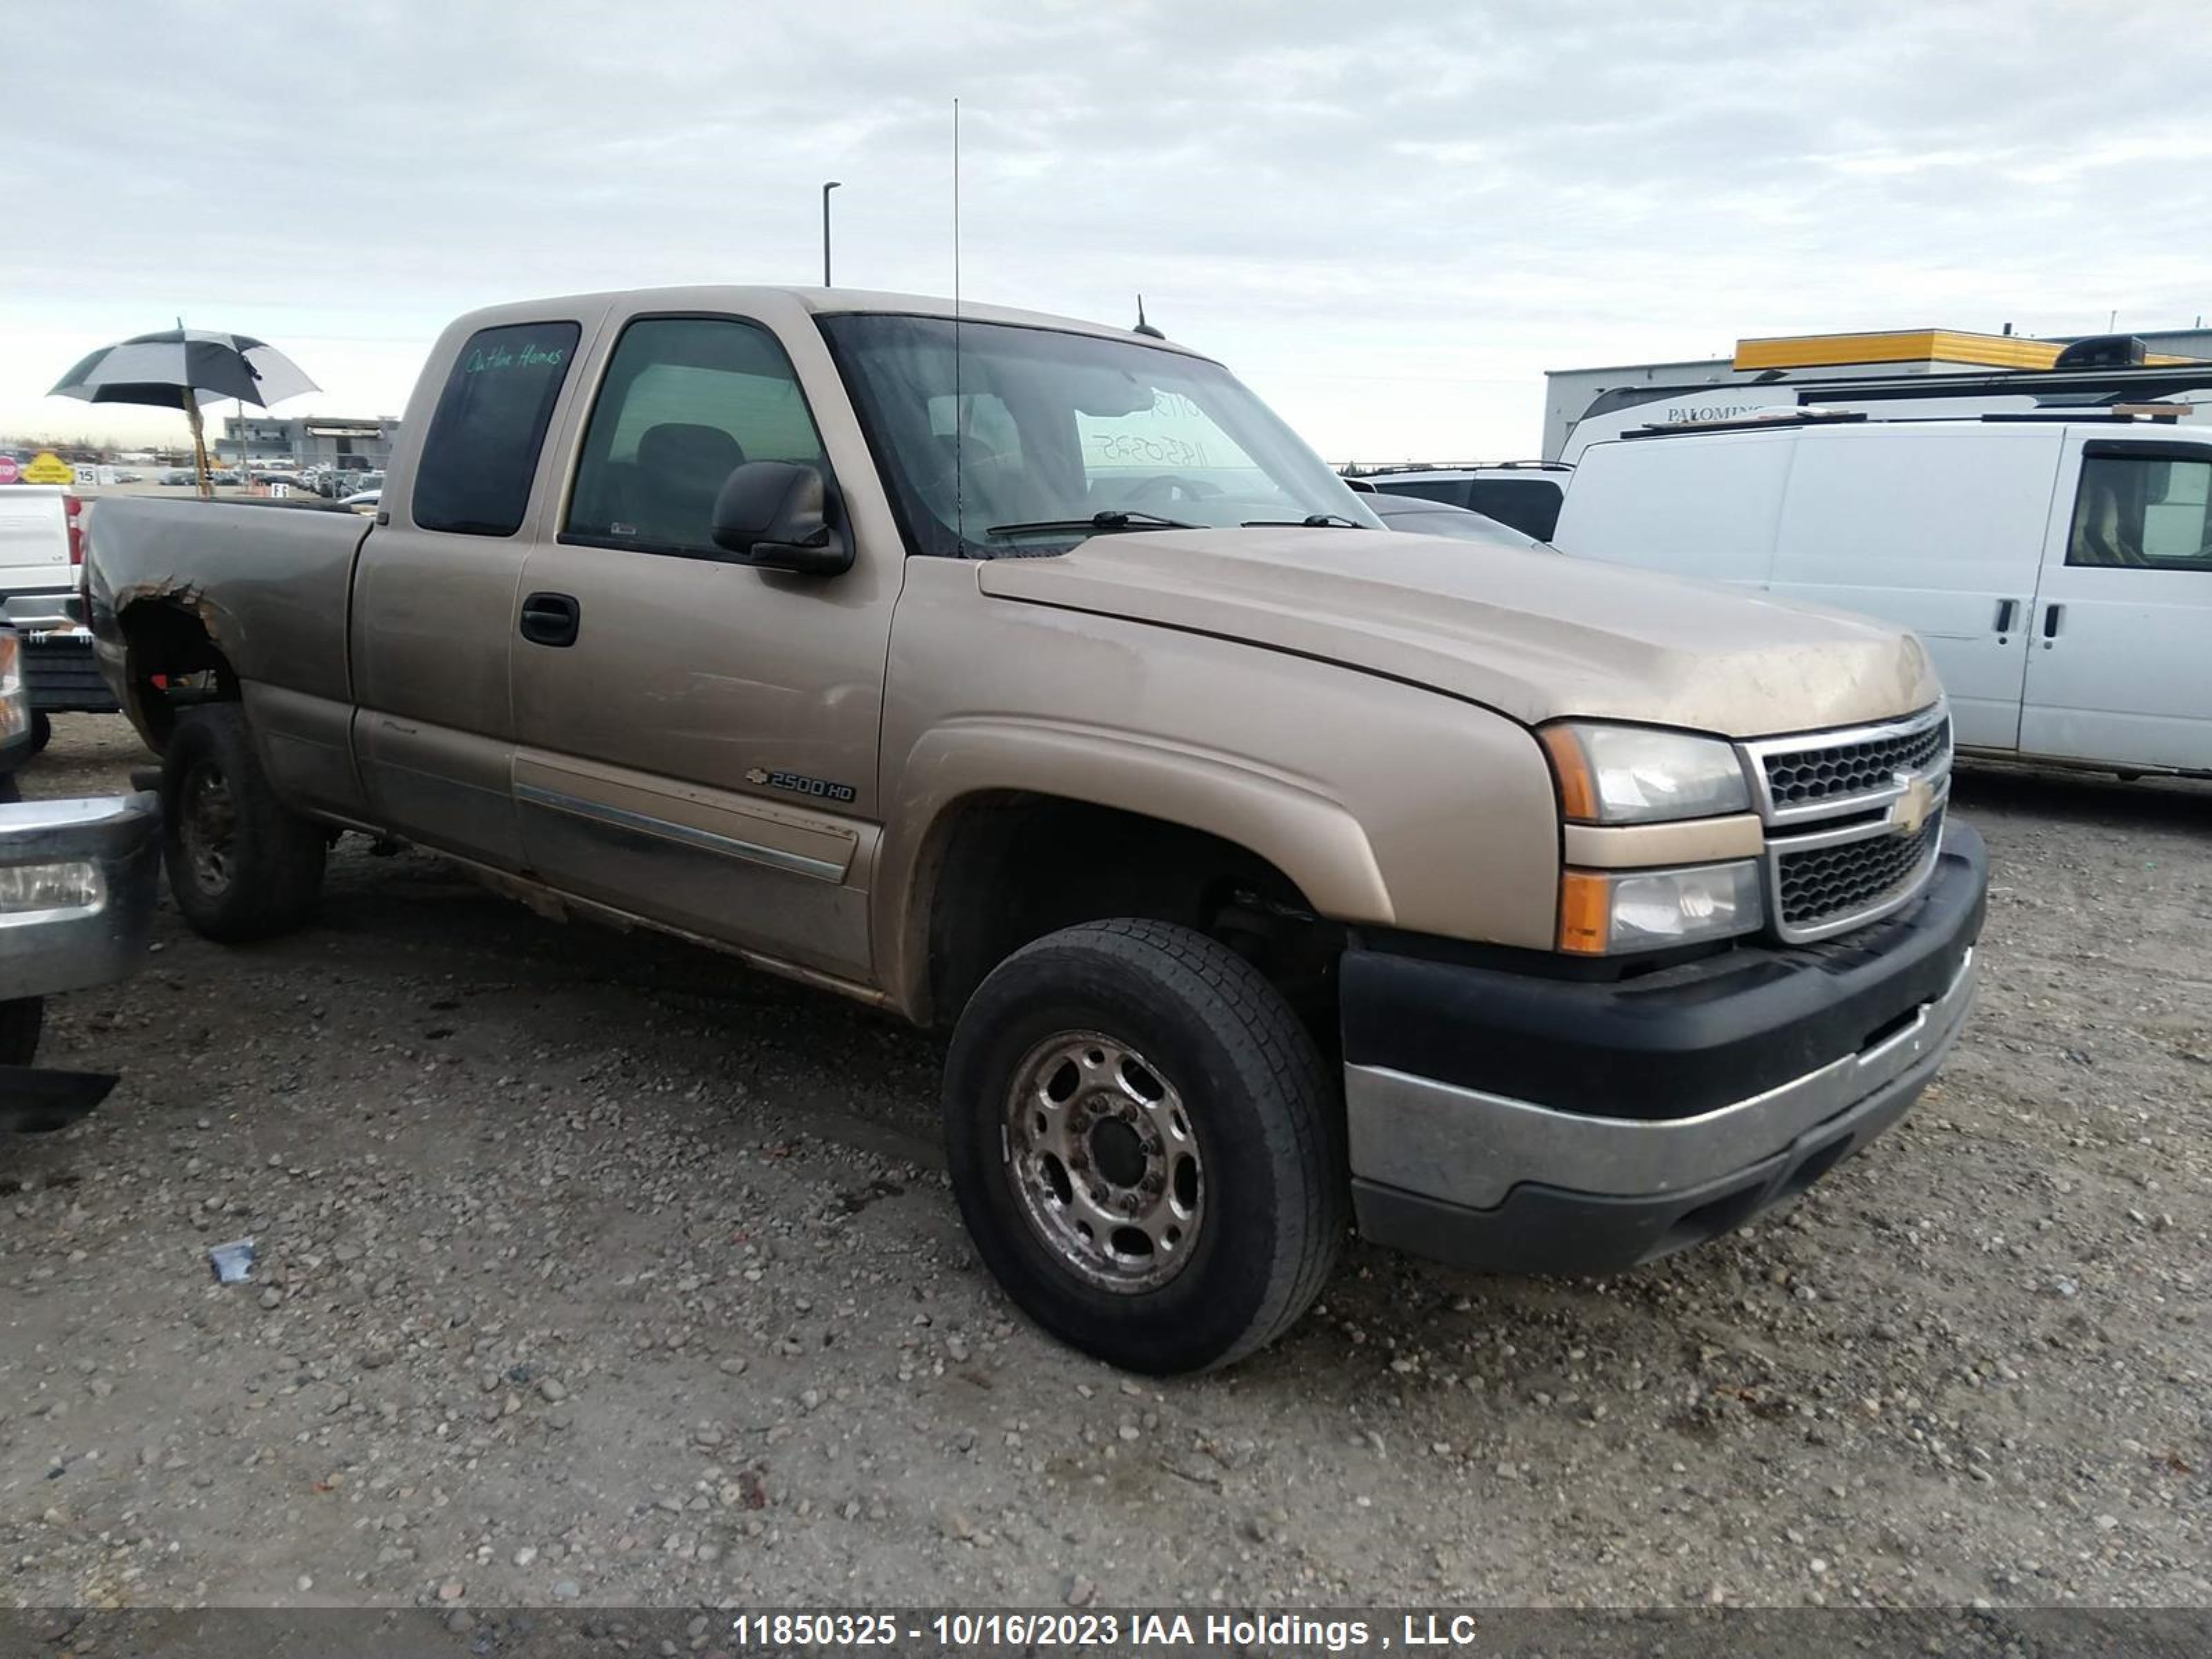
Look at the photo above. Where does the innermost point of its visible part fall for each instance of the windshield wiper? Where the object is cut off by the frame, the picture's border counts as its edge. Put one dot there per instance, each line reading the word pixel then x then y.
pixel 1311 521
pixel 1112 519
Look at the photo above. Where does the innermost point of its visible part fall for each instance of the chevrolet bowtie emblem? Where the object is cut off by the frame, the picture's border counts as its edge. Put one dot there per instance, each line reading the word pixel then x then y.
pixel 756 775
pixel 1913 807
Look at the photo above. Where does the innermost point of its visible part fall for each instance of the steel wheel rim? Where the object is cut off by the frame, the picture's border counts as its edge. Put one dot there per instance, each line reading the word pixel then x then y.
pixel 1104 1163
pixel 208 825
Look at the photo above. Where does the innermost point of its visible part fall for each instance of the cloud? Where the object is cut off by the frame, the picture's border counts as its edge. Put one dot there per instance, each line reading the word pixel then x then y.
pixel 1389 221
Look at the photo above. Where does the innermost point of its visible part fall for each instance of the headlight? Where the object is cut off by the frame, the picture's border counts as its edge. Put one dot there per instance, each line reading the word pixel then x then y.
pixel 1602 912
pixel 1637 774
pixel 15 701
pixel 74 885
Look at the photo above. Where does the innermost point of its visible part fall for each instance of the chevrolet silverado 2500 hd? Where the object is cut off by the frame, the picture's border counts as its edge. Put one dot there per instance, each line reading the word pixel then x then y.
pixel 1030 678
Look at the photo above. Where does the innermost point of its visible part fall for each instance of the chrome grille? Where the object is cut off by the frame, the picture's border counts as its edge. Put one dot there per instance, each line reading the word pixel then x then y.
pixel 1852 878
pixel 1854 820
pixel 1799 776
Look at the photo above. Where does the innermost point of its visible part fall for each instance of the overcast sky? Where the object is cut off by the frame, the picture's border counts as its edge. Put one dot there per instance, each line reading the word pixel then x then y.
pixel 1389 220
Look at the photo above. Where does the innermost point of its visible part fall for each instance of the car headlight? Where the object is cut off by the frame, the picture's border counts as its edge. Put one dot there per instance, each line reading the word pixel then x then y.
pixel 1605 912
pixel 76 884
pixel 1639 775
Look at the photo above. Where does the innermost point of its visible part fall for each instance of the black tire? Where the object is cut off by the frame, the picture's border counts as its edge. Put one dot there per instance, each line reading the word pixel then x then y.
pixel 20 1020
pixel 1270 1209
pixel 42 730
pixel 242 864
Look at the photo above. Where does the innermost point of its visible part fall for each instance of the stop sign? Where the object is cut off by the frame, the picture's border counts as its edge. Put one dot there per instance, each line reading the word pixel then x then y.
pixel 9 471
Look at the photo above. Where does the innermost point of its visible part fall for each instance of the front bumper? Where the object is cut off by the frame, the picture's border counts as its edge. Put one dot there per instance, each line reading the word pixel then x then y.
pixel 1503 1121
pixel 45 951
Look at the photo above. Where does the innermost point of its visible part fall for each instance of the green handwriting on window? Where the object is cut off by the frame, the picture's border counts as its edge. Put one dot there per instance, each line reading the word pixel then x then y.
pixel 480 362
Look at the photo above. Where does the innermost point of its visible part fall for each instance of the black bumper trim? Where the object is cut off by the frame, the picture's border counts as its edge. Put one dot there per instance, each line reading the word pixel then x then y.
pixel 1677 1042
pixel 62 677
pixel 1550 1230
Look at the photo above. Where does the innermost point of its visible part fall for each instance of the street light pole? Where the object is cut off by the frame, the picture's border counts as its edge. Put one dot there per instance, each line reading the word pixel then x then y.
pixel 826 189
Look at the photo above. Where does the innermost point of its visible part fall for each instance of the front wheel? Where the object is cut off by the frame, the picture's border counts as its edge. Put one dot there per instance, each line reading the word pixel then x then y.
pixel 1144 1144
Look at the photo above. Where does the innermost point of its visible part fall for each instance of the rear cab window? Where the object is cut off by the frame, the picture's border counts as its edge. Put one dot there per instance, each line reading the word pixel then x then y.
pixel 474 474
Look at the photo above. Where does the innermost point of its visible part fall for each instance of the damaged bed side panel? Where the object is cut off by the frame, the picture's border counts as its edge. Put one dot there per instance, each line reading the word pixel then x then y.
pixel 267 584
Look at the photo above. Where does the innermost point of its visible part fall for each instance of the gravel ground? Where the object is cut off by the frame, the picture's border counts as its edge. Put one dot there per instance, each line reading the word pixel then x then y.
pixel 597 1269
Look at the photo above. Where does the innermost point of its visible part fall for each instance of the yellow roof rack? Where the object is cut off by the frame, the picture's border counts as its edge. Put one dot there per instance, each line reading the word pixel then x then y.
pixel 1908 345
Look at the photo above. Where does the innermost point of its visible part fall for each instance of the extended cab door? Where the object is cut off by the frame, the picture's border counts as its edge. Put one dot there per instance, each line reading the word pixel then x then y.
pixel 2121 665
pixel 434 591
pixel 701 748
pixel 1937 529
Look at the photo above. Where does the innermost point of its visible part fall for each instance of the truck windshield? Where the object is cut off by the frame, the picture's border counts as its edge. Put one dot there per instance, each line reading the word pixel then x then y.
pixel 1036 440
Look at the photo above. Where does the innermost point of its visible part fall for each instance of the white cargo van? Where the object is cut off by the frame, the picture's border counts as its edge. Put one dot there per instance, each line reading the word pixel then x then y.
pixel 2059 570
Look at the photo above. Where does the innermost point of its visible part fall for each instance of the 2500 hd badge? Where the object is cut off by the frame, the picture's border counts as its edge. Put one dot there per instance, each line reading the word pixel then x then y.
pixel 798 784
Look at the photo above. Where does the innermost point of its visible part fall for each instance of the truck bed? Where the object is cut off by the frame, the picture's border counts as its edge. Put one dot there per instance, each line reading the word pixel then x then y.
pixel 294 562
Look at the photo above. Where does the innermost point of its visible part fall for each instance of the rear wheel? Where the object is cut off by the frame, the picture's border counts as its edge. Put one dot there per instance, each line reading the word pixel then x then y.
pixel 242 864
pixel 1143 1142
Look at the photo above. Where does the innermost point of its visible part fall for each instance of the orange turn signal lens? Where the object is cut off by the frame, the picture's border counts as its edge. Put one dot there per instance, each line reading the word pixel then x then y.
pixel 1585 912
pixel 1571 765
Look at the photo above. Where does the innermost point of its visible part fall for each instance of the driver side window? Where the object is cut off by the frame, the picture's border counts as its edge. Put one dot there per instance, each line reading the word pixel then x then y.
pixel 685 402
pixel 2148 512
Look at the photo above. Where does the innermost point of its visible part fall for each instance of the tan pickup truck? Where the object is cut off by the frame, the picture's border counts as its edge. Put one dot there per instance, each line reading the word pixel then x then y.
pixel 1029 678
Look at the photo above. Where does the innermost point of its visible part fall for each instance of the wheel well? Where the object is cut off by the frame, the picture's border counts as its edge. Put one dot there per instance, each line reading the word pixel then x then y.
pixel 172 663
pixel 1011 867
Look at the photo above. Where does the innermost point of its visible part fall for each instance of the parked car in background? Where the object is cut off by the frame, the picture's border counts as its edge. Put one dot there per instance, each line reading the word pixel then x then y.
pixel 364 502
pixel 2058 567
pixel 1524 495
pixel 1028 676
pixel 76 907
pixel 38 526
pixel 1415 515
pixel 177 476
pixel 41 549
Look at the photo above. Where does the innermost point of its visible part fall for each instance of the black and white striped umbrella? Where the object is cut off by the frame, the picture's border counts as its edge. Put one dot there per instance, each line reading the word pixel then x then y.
pixel 159 368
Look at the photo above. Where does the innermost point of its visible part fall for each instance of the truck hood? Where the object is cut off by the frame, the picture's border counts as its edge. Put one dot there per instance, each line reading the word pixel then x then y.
pixel 1532 633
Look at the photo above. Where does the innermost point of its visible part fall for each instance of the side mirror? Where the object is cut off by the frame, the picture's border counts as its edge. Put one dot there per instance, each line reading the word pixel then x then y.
pixel 776 514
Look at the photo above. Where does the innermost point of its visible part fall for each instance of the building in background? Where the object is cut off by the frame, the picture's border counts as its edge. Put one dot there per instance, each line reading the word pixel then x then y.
pixel 1584 404
pixel 354 444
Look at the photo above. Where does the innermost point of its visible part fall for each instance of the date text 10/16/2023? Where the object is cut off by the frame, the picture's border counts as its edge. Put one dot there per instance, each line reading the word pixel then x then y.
pixel 949 1631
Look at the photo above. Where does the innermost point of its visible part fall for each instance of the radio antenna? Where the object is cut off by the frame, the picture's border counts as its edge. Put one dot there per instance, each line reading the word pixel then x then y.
pixel 959 409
